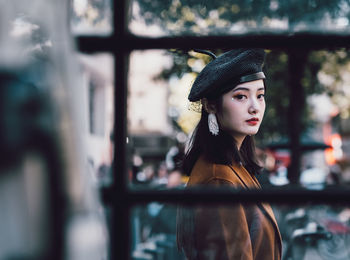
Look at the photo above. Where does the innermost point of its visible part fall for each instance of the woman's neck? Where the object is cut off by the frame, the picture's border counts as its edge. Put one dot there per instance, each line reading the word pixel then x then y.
pixel 239 140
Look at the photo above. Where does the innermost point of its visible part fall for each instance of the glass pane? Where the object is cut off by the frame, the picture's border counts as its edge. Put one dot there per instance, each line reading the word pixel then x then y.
pixel 97 107
pixel 91 16
pixel 158 119
pixel 151 240
pixel 161 119
pixel 177 17
pixel 307 231
pixel 325 84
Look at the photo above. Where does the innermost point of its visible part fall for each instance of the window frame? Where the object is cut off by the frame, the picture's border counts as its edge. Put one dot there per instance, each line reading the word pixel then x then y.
pixel 121 43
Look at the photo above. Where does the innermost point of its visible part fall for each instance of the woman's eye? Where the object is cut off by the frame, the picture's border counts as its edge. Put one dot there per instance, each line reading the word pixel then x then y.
pixel 261 96
pixel 239 97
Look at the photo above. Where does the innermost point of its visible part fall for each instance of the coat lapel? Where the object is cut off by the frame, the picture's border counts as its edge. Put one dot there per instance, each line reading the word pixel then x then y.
pixel 272 218
pixel 250 182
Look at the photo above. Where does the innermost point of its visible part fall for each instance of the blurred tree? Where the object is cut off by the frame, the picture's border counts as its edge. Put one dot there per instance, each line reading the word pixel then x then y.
pixel 334 75
pixel 90 13
pixel 275 124
pixel 218 17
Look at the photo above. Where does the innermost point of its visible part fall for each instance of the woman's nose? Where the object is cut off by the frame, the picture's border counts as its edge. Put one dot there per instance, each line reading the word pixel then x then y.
pixel 253 106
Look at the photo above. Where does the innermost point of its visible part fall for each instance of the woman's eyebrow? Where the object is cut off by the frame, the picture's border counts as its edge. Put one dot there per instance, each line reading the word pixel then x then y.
pixel 240 88
pixel 246 89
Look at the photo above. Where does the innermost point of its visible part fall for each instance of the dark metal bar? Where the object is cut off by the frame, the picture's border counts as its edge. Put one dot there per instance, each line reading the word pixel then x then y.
pixel 282 195
pixel 206 195
pixel 130 42
pixel 120 218
pixel 91 44
pixel 296 61
pixel 120 228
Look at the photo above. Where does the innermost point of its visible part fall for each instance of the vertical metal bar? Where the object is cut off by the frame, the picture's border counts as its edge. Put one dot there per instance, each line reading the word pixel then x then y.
pixel 119 243
pixel 296 61
pixel 120 211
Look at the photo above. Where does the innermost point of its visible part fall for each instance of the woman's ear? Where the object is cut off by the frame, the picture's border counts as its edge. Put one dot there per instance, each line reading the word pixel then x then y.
pixel 209 107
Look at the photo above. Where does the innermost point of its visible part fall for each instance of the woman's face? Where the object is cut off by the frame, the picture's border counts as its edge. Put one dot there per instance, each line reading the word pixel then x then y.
pixel 243 109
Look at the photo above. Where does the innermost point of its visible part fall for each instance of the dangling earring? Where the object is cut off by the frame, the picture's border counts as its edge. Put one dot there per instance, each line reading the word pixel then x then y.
pixel 213 124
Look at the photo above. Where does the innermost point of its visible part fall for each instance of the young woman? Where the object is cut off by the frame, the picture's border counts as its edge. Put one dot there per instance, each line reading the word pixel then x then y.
pixel 231 90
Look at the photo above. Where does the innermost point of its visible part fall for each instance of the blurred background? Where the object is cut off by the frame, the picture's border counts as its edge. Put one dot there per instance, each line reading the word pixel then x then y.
pixel 57 113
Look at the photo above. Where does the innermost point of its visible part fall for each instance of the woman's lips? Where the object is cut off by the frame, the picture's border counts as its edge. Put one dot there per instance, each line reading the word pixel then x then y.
pixel 252 121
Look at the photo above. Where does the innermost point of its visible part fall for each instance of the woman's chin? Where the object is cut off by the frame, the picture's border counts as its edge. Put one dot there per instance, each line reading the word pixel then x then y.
pixel 254 132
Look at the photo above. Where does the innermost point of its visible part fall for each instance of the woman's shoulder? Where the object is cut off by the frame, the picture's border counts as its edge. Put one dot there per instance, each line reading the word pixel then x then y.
pixel 206 172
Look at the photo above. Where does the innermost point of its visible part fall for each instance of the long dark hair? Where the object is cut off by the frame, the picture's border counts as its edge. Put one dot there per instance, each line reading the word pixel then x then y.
pixel 220 149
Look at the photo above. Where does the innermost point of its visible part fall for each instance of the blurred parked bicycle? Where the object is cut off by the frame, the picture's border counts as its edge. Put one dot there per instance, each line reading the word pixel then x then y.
pixel 313 233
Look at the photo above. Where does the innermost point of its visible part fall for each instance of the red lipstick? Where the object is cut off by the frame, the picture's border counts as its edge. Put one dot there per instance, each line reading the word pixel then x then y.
pixel 252 121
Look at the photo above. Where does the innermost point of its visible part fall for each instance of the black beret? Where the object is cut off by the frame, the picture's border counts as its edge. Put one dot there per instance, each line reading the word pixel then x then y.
pixel 225 72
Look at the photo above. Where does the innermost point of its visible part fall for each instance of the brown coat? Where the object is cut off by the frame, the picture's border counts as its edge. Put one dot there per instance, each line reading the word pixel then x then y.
pixel 237 231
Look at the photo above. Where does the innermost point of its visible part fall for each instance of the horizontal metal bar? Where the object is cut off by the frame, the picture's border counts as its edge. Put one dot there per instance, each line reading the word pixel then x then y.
pixel 202 195
pixel 270 41
pixel 91 44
